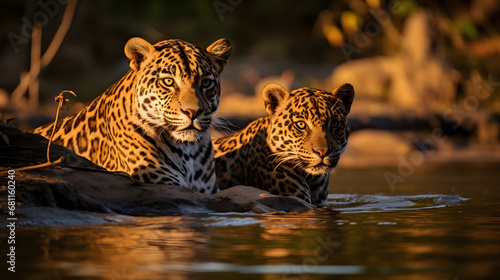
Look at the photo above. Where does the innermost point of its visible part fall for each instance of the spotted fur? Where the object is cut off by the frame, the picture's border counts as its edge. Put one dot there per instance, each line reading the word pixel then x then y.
pixel 153 123
pixel 291 151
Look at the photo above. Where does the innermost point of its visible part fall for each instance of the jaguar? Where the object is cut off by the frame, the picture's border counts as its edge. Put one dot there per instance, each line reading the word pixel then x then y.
pixel 294 148
pixel 154 122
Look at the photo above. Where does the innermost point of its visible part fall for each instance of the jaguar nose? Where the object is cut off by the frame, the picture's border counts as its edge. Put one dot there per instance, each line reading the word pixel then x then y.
pixel 191 113
pixel 321 152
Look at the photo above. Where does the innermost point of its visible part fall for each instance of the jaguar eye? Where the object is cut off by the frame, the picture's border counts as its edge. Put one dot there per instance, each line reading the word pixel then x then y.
pixel 168 82
pixel 300 125
pixel 207 83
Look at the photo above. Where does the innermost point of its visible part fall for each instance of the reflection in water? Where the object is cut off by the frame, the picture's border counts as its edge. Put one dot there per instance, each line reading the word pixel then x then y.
pixel 131 249
pixel 396 242
pixel 189 244
pixel 435 237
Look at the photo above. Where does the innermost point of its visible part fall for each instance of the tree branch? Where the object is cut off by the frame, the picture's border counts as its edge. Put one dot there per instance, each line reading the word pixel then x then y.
pixel 49 54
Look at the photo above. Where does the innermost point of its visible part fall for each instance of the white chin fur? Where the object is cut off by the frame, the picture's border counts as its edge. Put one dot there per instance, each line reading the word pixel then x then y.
pixel 315 170
pixel 190 135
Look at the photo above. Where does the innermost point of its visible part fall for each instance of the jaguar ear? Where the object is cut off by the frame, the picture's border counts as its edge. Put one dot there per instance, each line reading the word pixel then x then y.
pixel 220 51
pixel 273 95
pixel 344 93
pixel 138 52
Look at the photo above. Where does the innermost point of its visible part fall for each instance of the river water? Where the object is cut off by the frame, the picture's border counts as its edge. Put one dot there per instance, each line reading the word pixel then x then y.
pixel 439 222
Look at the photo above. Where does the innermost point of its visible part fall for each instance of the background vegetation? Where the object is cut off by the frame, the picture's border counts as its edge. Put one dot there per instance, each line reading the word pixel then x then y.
pixel 297 43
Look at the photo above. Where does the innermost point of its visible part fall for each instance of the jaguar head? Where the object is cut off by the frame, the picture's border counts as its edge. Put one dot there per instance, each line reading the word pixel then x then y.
pixel 177 85
pixel 308 128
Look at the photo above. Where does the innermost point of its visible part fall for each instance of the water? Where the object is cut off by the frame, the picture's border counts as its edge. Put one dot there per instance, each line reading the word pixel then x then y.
pixel 441 222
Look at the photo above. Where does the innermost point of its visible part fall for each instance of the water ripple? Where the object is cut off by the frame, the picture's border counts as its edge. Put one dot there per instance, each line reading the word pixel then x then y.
pixel 357 203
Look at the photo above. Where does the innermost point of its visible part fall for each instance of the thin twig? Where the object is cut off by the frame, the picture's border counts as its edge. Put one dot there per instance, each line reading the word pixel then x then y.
pixel 61 159
pixel 11 159
pixel 45 164
pixel 59 98
pixel 60 33
pixel 34 84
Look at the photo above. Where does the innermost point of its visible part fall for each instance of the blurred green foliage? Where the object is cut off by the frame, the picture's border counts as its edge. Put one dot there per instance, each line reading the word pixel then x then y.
pixel 468 30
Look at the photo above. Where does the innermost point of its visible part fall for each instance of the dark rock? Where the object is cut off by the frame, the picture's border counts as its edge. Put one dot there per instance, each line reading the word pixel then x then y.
pixel 259 201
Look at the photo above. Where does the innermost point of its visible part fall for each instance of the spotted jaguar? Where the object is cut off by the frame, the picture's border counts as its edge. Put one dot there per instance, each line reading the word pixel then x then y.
pixel 293 149
pixel 153 123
